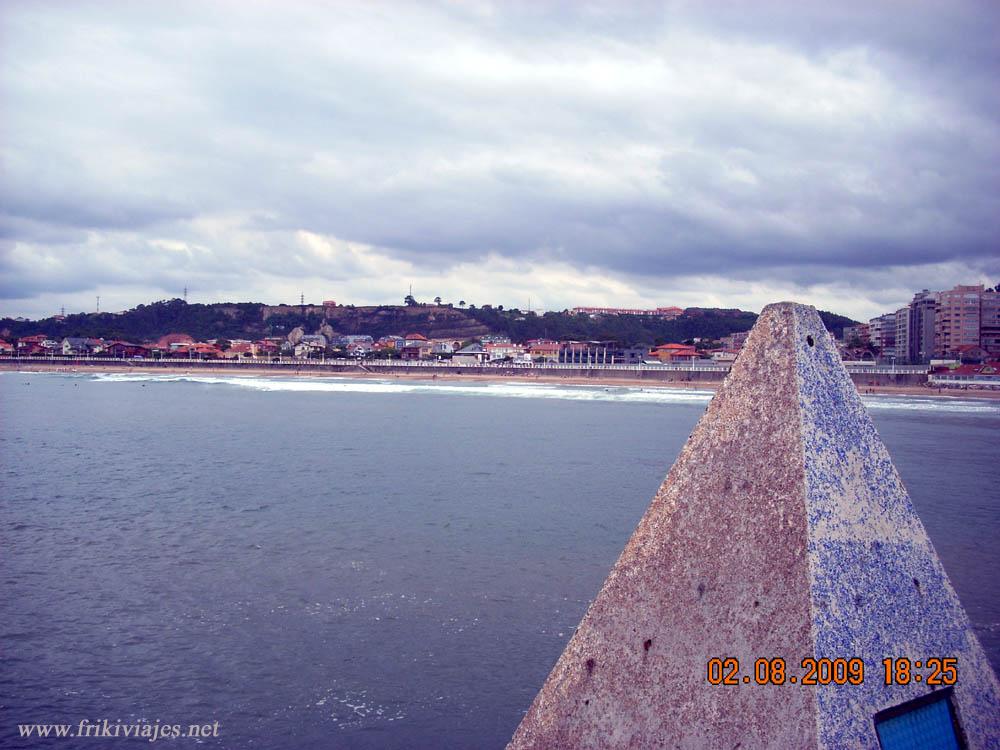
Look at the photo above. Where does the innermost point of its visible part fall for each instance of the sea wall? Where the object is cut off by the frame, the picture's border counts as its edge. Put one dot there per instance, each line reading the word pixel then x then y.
pixel 650 374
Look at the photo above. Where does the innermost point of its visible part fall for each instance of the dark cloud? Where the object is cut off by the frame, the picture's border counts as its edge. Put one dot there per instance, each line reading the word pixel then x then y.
pixel 785 145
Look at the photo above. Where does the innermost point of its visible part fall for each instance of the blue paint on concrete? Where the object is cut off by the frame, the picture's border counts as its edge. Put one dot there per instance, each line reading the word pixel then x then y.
pixel 878 588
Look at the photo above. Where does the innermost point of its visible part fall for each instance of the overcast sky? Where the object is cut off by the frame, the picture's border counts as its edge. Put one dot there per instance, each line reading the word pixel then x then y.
pixel 711 153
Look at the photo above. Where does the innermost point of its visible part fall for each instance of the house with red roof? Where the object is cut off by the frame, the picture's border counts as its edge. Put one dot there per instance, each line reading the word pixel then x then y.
pixel 31 345
pixel 540 349
pixel 126 350
pixel 498 351
pixel 267 347
pixel 38 343
pixel 240 349
pixel 417 349
pixel 675 353
pixel 985 376
pixel 196 350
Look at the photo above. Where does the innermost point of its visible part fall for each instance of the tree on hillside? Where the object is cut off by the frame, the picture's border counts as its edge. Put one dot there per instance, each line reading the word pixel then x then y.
pixel 409 301
pixel 437 300
pixel 835 323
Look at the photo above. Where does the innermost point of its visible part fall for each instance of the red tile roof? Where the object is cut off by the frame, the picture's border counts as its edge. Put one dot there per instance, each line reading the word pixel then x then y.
pixel 674 347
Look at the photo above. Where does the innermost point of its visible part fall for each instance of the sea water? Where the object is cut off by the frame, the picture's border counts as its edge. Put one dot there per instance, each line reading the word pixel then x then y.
pixel 337 563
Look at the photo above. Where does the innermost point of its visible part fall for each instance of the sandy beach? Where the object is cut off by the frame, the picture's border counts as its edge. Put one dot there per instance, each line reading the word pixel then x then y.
pixel 425 376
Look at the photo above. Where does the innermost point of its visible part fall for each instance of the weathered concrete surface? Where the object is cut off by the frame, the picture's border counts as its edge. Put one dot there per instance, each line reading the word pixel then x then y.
pixel 781 530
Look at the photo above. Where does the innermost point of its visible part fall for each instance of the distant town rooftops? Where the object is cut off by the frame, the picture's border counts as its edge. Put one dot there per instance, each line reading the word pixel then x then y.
pixel 659 312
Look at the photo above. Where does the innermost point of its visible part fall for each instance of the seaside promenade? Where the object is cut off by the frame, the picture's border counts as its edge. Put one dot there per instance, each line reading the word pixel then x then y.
pixel 707 374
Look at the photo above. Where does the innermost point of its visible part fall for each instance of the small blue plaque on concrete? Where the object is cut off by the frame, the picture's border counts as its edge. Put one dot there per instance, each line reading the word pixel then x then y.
pixel 927 723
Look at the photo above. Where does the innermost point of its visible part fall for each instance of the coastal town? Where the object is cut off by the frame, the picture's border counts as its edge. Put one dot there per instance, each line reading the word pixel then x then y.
pixel 953 336
pixel 537 375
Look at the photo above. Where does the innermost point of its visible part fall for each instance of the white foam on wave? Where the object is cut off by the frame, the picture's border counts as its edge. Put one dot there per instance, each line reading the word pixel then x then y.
pixel 922 403
pixel 499 390
pixel 620 394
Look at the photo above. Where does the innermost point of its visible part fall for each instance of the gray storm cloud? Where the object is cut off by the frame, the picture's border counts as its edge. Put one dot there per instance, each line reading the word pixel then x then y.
pixel 684 146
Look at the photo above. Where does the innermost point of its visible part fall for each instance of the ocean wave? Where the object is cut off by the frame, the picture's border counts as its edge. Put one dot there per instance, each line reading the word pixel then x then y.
pixel 496 390
pixel 619 394
pixel 923 403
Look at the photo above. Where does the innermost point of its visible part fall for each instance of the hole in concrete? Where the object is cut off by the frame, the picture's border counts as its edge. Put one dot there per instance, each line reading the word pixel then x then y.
pixel 701 590
pixel 590 666
pixel 756 604
pixel 587 702
pixel 916 585
pixel 809 340
pixel 646 644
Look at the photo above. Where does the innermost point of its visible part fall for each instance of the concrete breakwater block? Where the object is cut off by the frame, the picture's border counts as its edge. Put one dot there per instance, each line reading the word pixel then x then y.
pixel 777 569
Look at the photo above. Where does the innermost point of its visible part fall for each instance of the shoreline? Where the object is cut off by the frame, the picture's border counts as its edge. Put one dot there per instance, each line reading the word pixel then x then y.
pixel 537 378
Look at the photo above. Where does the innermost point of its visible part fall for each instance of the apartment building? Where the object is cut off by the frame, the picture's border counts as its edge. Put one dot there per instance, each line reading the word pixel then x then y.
pixel 902 334
pixel 989 323
pixel 920 334
pixel 957 319
pixel 882 334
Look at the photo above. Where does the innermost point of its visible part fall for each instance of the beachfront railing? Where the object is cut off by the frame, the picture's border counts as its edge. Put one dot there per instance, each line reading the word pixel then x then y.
pixel 374 364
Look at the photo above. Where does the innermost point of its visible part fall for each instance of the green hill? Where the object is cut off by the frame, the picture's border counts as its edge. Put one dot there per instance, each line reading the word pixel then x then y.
pixel 253 320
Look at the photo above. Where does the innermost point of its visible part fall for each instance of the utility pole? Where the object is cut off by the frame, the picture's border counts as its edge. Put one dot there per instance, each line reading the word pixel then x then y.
pixel 185 295
pixel 98 304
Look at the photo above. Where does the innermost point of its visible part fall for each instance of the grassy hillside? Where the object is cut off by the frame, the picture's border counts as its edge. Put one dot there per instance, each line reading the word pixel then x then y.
pixel 245 320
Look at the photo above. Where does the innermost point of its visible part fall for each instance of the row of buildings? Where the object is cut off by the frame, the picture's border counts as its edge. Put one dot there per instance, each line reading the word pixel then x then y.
pixel 173 345
pixel 414 346
pixel 488 349
pixel 960 323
